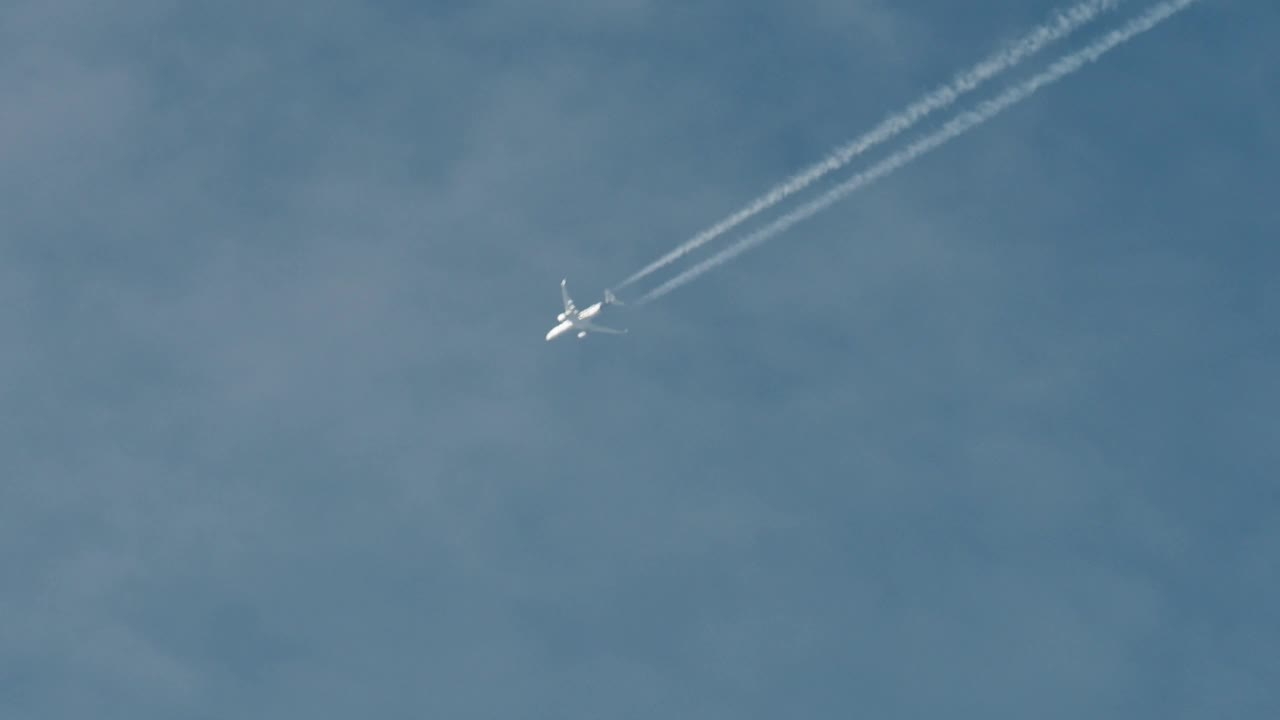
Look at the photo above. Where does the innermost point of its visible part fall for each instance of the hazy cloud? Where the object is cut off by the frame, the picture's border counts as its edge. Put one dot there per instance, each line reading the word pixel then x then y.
pixel 282 439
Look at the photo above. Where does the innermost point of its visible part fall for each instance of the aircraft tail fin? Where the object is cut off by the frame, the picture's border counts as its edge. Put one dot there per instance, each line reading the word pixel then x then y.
pixel 610 298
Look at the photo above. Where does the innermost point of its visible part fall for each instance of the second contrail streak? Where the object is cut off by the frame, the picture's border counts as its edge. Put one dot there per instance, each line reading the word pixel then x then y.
pixel 953 129
pixel 1064 24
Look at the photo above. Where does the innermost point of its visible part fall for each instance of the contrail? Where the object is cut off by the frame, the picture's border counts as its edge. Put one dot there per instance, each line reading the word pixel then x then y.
pixel 954 128
pixel 1064 23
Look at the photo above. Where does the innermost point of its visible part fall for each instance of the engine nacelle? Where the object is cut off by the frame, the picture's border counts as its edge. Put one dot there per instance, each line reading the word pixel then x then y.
pixel 582 334
pixel 560 317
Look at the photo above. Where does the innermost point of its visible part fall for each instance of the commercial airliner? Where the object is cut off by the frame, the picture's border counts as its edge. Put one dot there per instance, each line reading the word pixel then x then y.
pixel 574 319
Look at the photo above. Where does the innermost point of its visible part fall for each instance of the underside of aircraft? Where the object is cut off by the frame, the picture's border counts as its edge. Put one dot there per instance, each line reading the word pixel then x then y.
pixel 580 321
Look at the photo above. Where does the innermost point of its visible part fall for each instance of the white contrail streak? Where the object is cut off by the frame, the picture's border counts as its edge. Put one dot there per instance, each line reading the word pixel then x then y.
pixel 1062 25
pixel 954 128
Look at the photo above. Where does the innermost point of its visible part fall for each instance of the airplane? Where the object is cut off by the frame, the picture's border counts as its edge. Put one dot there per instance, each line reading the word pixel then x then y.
pixel 574 319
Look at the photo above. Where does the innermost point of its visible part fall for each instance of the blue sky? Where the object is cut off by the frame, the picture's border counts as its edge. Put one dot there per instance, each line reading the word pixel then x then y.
pixel 996 437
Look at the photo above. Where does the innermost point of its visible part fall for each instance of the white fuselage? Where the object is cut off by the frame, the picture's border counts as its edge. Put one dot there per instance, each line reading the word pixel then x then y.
pixel 570 320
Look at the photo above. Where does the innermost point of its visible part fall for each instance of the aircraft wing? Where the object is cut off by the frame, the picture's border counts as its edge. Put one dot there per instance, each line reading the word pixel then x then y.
pixel 564 295
pixel 591 327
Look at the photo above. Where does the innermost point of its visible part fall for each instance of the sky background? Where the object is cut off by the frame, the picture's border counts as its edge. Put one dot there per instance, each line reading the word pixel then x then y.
pixel 995 438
